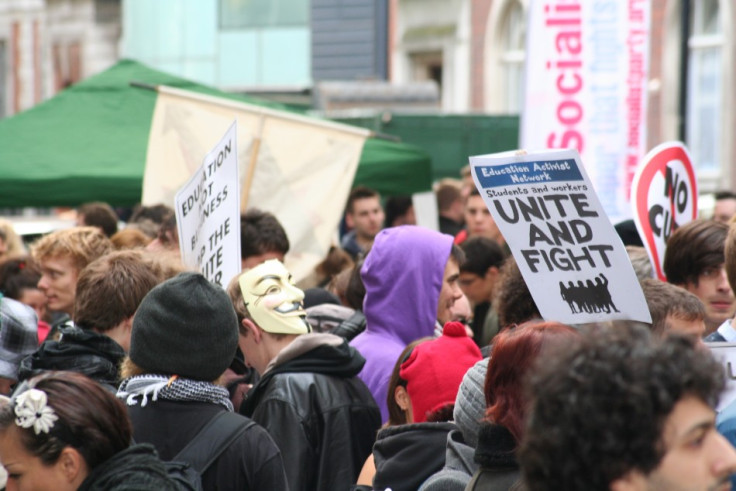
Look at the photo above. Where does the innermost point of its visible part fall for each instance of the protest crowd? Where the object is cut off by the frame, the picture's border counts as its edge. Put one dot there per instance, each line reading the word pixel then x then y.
pixel 411 359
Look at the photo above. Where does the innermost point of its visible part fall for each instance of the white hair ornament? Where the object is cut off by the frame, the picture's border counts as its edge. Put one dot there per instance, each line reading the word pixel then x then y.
pixel 32 410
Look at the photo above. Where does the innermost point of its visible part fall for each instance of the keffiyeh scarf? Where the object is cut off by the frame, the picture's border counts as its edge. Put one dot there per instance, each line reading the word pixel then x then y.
pixel 139 388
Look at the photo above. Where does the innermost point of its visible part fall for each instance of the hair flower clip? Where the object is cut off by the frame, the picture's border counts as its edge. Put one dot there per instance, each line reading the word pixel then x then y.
pixel 32 410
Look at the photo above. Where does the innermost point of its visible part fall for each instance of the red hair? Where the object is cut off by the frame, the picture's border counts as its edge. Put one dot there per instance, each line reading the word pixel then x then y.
pixel 514 352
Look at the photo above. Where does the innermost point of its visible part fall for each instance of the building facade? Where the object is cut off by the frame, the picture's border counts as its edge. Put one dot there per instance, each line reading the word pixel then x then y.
pixel 475 49
pixel 46 45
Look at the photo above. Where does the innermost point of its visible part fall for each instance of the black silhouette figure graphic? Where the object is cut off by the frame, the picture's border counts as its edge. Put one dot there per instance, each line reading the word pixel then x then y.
pixel 588 297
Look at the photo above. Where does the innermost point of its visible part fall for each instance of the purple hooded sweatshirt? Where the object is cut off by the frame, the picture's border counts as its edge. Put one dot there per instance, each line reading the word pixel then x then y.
pixel 402 275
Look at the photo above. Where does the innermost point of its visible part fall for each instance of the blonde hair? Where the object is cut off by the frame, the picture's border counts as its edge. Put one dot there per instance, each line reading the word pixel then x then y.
pixel 130 238
pixel 128 369
pixel 12 240
pixel 81 244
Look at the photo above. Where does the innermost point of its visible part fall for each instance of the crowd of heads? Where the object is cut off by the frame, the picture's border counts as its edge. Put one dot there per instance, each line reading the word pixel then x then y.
pixel 422 328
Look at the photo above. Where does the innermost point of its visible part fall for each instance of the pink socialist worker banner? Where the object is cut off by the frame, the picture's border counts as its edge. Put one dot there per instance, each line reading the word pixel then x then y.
pixel 586 71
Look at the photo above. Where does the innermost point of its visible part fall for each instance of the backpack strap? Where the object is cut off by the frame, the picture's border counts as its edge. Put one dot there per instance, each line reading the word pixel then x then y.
pixel 209 443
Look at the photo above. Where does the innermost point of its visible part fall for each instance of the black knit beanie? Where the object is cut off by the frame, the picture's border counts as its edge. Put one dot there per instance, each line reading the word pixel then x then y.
pixel 185 326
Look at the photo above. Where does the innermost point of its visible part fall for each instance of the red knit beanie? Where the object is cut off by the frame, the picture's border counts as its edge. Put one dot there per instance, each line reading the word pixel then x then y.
pixel 435 369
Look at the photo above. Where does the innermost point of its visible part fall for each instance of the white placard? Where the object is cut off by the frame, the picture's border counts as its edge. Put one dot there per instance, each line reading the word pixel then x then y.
pixel 208 213
pixel 726 354
pixel 567 250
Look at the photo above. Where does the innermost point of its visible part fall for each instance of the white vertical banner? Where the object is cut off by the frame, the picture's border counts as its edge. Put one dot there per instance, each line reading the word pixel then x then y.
pixel 587 65
pixel 208 213
pixel 298 168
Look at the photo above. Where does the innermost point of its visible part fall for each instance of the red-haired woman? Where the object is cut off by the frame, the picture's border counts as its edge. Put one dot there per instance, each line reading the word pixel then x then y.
pixel 515 352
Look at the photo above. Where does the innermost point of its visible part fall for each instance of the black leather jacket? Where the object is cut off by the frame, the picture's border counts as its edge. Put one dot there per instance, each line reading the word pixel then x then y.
pixel 322 417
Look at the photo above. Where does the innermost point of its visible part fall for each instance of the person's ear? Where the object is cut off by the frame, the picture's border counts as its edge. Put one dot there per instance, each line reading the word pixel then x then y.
pixel 252 329
pixel 401 396
pixel 631 481
pixel 492 273
pixel 71 464
pixel 349 220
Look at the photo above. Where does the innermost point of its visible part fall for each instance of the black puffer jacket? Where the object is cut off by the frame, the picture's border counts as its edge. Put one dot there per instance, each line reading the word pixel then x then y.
pixel 322 417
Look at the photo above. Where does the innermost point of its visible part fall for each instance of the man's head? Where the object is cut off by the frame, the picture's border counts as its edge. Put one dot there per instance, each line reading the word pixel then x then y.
pixel 514 302
pixel 468 185
pixel 269 310
pixel 673 309
pixel 61 255
pixel 478 219
pixel 450 291
pixel 400 211
pixel 450 200
pixel 694 259
pixel 100 215
pixel 615 410
pixel 479 272
pixel 185 326
pixel 261 237
pixel 725 206
pixel 640 261
pixel 363 213
pixel 109 291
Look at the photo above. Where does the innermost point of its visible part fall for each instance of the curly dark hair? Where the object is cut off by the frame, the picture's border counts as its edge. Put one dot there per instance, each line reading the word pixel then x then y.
pixel 600 405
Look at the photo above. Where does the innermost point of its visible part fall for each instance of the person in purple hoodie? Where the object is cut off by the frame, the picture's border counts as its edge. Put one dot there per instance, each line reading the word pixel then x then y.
pixel 410 278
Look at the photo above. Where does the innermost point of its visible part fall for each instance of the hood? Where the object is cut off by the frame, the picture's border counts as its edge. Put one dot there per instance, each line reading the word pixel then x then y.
pixel 311 353
pixel 406 455
pixel 92 354
pixel 403 277
pixel 459 455
pixel 496 447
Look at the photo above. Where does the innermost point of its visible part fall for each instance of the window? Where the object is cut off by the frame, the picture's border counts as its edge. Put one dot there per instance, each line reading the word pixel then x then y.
pixel 427 66
pixel 238 14
pixel 705 74
pixel 513 36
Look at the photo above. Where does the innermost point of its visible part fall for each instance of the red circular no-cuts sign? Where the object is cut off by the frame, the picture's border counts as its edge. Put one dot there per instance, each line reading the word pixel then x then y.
pixel 665 197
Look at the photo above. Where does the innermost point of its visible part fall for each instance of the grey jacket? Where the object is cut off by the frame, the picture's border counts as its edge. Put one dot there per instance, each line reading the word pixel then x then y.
pixel 459 466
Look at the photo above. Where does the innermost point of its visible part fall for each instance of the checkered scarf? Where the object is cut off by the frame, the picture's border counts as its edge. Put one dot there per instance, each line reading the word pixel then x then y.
pixel 171 389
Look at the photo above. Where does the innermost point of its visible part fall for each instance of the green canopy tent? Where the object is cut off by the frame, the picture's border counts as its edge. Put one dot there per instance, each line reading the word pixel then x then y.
pixel 88 143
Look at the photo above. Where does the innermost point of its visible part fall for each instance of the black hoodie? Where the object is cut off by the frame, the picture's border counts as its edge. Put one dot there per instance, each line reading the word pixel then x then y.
pixel 407 455
pixel 137 467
